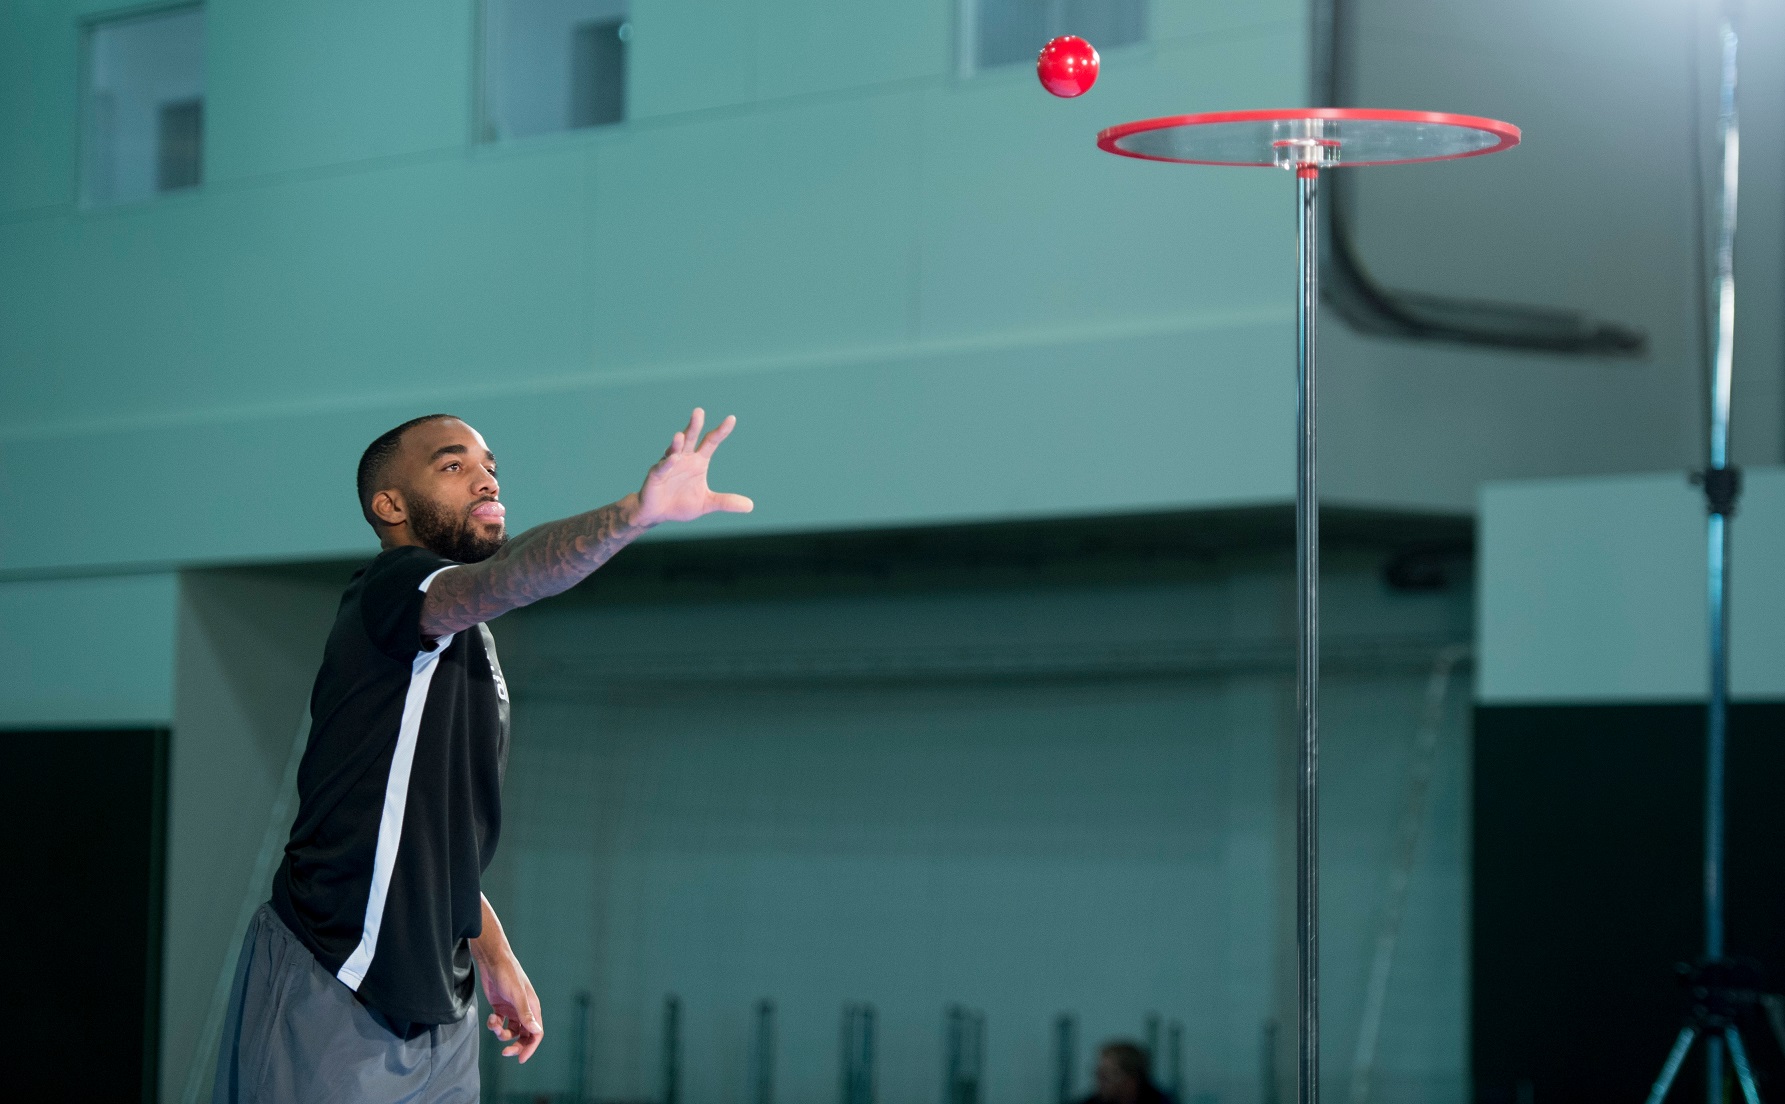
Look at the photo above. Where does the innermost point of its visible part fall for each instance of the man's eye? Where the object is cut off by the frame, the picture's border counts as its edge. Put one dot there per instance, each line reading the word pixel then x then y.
pixel 452 467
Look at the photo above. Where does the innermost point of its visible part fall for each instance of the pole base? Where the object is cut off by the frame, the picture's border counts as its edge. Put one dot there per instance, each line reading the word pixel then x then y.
pixel 1722 989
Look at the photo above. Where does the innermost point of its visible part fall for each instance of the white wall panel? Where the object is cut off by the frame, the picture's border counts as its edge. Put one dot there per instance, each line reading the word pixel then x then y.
pixel 1593 590
pixel 249 645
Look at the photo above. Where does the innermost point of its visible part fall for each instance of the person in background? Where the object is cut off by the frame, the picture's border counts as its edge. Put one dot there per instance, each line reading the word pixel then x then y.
pixel 1124 1076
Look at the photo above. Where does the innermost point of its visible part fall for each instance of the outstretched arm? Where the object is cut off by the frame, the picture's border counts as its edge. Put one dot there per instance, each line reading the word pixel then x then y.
pixel 551 558
pixel 541 562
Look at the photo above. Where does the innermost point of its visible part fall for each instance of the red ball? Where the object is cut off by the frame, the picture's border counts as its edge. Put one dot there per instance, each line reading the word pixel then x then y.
pixel 1067 66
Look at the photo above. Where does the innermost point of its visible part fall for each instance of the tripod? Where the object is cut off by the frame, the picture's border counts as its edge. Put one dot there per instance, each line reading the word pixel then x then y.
pixel 1720 988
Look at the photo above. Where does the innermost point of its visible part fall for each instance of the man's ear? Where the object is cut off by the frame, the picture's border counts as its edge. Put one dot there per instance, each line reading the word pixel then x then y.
pixel 389 508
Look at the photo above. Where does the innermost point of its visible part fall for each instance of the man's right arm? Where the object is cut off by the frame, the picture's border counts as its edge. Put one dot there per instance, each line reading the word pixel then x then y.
pixel 545 560
pixel 551 558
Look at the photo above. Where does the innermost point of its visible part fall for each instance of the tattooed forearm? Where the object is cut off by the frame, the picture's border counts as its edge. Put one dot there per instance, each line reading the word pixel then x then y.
pixel 546 560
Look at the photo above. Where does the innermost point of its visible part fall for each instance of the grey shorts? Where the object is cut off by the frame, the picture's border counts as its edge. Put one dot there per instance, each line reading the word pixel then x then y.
pixel 296 1035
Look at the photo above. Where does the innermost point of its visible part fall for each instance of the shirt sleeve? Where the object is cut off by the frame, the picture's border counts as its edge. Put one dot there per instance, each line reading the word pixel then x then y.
pixel 391 597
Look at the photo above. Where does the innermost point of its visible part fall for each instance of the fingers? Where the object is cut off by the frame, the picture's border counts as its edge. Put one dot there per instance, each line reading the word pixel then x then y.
pixel 522 1032
pixel 732 503
pixel 720 433
pixel 532 1034
pixel 528 1033
pixel 503 1029
pixel 522 1040
pixel 689 439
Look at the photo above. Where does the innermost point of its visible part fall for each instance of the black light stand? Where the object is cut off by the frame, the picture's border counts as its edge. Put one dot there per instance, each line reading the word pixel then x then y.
pixel 1720 988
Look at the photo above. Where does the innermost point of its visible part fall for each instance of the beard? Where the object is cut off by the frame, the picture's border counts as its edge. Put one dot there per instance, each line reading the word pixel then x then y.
pixel 454 536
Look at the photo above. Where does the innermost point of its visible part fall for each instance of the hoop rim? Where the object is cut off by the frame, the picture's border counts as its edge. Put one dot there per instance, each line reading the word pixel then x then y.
pixel 1508 134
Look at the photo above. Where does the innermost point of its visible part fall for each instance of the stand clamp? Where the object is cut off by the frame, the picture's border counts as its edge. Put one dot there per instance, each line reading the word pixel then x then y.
pixel 1721 988
pixel 1722 486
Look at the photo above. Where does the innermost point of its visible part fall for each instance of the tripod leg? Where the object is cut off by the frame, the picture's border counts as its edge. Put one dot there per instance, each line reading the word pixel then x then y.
pixel 1714 1080
pixel 1672 1068
pixel 1738 1057
pixel 1775 1017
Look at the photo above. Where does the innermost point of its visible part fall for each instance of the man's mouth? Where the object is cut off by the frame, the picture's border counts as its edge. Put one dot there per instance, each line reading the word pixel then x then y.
pixel 489 511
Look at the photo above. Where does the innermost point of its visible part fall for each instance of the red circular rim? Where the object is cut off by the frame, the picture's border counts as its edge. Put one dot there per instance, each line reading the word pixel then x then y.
pixel 1508 134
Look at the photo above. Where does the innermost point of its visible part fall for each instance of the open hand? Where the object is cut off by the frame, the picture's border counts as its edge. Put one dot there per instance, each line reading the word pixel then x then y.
pixel 676 486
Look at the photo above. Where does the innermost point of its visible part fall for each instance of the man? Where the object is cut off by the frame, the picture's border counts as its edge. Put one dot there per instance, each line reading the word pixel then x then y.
pixel 355 980
pixel 1124 1076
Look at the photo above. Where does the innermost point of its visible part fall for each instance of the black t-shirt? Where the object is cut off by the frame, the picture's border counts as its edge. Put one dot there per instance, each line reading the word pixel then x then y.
pixel 400 797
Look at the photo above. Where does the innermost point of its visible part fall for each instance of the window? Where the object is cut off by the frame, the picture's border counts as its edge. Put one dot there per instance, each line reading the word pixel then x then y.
pixel 552 65
pixel 1007 32
pixel 144 106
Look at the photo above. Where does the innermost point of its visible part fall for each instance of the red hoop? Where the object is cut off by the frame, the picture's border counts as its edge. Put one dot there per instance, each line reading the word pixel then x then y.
pixel 1371 136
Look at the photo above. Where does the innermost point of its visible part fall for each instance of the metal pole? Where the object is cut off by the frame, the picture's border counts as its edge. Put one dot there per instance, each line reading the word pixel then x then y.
pixel 1307 656
pixel 1065 1058
pixel 1671 1068
pixel 1267 1064
pixel 1744 1073
pixel 672 1050
pixel 579 1051
pixel 1716 730
pixel 1721 495
pixel 763 1051
pixel 953 1030
pixel 1174 1061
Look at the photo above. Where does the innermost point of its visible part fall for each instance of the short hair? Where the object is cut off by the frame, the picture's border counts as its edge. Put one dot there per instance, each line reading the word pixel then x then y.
pixel 374 463
pixel 1131 1059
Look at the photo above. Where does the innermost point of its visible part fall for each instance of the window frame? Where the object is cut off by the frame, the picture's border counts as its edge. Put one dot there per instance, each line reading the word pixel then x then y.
pixel 966 60
pixel 85 146
pixel 481 137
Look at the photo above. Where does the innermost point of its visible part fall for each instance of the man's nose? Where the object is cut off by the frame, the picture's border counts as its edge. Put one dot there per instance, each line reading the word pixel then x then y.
pixel 487 485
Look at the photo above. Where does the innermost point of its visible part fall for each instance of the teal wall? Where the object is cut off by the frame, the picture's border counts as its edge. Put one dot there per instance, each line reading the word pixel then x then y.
pixel 1593 590
pixel 1592 213
pixel 1026 788
pixel 1025 798
pixel 927 298
pixel 87 651
pixel 247 648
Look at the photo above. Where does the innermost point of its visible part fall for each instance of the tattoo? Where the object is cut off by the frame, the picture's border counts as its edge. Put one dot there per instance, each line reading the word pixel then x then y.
pixel 546 560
